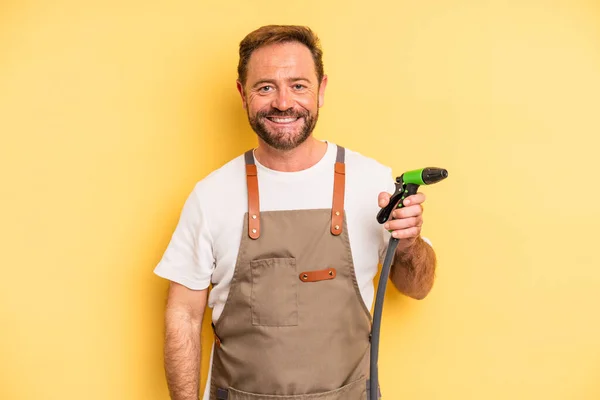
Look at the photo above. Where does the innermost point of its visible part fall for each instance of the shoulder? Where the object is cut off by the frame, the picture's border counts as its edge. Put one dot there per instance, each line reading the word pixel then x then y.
pixel 223 180
pixel 370 165
pixel 216 199
pixel 367 171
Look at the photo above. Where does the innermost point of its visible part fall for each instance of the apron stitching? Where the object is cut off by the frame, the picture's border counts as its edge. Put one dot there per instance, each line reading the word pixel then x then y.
pixel 346 239
pixel 234 279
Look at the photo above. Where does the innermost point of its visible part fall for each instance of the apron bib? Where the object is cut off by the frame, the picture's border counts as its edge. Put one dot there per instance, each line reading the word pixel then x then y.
pixel 294 325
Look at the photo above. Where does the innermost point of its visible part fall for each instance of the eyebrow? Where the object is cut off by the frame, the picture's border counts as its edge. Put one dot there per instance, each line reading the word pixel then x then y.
pixel 272 81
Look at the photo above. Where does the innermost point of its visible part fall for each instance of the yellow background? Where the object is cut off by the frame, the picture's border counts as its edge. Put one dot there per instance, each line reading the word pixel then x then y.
pixel 111 111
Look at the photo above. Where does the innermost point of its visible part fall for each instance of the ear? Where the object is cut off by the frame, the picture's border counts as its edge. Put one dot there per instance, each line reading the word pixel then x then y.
pixel 322 88
pixel 240 89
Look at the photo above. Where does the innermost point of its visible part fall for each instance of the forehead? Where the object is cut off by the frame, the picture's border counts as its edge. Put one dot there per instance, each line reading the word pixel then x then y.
pixel 278 61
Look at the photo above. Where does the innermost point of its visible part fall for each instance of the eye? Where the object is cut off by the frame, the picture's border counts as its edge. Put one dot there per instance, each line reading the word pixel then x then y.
pixel 299 86
pixel 265 89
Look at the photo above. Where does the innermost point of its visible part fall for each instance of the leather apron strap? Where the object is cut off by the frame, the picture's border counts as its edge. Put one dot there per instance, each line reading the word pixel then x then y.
pixel 339 187
pixel 339 183
pixel 253 198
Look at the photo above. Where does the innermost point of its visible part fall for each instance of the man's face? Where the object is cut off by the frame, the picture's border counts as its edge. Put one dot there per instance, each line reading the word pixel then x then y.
pixel 282 95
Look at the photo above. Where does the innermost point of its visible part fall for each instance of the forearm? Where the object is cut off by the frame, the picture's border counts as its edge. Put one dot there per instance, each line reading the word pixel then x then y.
pixel 182 354
pixel 413 270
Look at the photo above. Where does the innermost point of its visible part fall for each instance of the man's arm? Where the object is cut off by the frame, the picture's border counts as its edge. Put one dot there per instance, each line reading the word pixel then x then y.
pixel 182 351
pixel 413 269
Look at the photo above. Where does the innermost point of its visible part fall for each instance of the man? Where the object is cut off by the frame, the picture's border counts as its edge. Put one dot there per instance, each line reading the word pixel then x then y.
pixel 287 235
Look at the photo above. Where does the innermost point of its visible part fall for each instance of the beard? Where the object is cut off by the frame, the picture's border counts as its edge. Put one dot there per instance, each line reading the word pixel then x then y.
pixel 284 139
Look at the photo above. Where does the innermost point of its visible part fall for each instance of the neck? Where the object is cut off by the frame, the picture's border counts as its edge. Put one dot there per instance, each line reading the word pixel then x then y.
pixel 302 157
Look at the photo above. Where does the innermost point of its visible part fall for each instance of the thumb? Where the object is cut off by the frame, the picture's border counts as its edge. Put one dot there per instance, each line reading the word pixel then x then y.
pixel 384 199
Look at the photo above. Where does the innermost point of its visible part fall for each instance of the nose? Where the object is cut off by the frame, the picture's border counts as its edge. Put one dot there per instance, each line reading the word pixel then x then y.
pixel 282 100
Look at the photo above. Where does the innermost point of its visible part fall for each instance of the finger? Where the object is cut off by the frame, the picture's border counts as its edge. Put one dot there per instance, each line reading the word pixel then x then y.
pixel 407 212
pixel 414 199
pixel 405 223
pixel 408 233
pixel 384 199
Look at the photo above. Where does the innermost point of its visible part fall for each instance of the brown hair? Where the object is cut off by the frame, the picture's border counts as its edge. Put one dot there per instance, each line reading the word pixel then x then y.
pixel 271 34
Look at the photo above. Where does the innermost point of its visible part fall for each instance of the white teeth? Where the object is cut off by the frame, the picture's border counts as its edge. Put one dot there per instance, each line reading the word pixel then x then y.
pixel 283 120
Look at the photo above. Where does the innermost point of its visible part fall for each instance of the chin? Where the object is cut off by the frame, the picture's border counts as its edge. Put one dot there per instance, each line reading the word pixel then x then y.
pixel 283 141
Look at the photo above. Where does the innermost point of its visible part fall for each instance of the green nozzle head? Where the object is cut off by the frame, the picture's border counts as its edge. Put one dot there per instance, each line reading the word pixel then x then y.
pixel 425 176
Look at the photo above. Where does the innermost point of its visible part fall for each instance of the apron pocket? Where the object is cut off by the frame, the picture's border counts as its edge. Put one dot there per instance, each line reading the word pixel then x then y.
pixel 356 390
pixel 274 292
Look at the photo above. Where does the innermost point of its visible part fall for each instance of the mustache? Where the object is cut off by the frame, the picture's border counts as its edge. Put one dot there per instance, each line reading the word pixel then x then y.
pixel 278 113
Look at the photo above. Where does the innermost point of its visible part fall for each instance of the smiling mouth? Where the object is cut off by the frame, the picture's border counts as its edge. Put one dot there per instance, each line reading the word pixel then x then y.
pixel 283 120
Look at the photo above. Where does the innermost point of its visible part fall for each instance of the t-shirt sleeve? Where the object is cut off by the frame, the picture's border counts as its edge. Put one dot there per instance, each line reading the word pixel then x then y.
pixel 188 259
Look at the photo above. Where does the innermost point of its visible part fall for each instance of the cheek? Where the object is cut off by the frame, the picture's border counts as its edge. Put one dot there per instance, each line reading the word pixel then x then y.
pixel 257 103
pixel 307 102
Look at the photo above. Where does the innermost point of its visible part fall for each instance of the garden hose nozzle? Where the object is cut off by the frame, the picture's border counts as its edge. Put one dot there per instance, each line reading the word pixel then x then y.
pixel 407 184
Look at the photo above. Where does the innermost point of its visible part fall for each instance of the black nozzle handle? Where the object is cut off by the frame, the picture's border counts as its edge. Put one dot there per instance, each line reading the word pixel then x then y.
pixel 384 214
pixel 396 200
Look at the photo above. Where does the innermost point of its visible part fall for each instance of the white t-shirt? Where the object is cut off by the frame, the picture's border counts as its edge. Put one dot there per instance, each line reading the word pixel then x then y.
pixel 204 246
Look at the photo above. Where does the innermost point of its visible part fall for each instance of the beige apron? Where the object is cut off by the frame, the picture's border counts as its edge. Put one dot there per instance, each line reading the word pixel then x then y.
pixel 294 325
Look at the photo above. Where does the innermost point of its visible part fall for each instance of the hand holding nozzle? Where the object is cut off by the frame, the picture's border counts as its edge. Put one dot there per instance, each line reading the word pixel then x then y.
pixel 408 184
